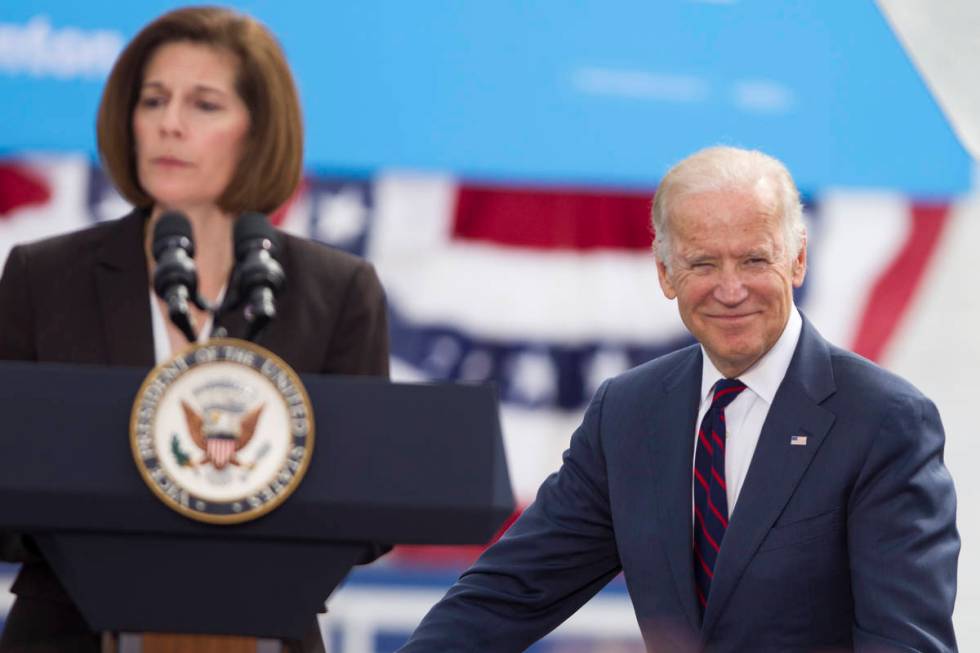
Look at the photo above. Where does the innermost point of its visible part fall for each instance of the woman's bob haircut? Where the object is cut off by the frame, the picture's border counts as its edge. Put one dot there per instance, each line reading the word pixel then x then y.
pixel 271 165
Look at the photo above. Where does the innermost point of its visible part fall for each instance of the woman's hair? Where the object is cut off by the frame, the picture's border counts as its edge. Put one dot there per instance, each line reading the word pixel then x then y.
pixel 271 163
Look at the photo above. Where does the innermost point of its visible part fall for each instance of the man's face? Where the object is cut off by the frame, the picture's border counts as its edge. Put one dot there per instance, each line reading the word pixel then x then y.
pixel 731 274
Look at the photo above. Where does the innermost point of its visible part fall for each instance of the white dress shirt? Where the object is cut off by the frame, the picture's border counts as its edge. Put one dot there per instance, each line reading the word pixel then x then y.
pixel 162 351
pixel 747 412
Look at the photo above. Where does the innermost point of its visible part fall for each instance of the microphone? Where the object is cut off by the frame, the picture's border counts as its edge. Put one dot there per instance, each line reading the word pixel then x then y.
pixel 259 275
pixel 175 278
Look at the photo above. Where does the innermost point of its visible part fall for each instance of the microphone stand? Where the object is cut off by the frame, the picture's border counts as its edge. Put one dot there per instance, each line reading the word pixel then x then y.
pixel 180 314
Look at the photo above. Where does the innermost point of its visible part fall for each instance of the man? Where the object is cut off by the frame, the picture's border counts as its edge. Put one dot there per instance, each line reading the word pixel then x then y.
pixel 762 491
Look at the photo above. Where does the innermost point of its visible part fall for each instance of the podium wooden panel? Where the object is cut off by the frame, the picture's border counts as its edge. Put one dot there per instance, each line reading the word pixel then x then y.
pixel 167 643
pixel 160 643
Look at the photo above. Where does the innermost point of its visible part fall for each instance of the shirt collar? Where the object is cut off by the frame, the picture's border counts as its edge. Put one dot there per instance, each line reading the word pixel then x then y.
pixel 764 377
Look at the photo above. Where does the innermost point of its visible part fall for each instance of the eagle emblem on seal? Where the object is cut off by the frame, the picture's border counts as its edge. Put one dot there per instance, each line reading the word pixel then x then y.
pixel 221 433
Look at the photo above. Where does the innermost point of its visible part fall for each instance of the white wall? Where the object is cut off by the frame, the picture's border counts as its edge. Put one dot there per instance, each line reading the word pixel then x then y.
pixel 938 349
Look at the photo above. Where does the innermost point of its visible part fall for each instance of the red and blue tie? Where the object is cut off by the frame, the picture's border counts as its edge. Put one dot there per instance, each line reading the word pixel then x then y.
pixel 710 491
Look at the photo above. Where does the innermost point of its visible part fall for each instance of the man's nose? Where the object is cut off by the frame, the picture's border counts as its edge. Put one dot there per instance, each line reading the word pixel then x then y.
pixel 730 288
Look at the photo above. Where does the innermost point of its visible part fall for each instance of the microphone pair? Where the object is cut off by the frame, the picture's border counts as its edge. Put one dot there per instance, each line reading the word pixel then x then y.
pixel 255 280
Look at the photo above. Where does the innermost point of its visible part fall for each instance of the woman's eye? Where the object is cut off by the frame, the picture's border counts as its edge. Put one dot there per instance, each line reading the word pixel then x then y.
pixel 207 106
pixel 151 101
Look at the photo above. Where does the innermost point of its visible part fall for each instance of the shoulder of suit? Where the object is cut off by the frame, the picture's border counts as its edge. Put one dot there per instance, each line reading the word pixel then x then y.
pixel 662 369
pixel 74 245
pixel 63 255
pixel 855 374
pixel 319 258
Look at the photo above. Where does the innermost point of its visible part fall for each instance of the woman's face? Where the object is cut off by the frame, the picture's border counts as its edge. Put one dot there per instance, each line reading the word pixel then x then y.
pixel 189 125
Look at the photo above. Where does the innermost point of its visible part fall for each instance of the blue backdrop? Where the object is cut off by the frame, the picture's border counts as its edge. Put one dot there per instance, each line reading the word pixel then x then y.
pixel 591 92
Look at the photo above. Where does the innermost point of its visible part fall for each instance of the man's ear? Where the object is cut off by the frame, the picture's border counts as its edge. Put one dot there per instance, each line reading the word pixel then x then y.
pixel 665 284
pixel 799 264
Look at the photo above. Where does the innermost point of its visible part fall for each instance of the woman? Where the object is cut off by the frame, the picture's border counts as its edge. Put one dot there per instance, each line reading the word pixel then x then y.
pixel 200 115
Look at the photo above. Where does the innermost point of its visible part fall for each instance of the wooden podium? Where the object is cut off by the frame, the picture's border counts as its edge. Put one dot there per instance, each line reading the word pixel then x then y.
pixel 392 464
pixel 163 643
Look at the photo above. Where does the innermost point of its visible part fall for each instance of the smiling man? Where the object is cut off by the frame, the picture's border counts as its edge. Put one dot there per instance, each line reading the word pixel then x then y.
pixel 761 491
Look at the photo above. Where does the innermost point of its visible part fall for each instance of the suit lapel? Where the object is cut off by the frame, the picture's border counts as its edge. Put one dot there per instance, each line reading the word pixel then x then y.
pixel 123 287
pixel 777 465
pixel 672 444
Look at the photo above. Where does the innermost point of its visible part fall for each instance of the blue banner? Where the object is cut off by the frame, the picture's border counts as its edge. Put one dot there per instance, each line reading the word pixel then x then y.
pixel 547 91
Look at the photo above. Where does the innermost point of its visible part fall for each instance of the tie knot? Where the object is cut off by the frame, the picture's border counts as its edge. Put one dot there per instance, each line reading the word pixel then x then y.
pixel 725 392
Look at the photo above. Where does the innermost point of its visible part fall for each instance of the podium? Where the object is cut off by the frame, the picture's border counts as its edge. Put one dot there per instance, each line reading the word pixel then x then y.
pixel 392 463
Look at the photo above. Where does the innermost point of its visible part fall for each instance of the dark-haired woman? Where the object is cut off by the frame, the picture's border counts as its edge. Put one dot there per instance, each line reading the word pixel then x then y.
pixel 200 114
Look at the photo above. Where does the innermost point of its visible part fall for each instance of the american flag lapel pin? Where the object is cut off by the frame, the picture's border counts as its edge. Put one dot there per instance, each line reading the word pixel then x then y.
pixel 798 440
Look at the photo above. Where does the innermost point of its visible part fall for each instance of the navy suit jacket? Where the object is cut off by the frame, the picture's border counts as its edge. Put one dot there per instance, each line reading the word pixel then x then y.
pixel 845 543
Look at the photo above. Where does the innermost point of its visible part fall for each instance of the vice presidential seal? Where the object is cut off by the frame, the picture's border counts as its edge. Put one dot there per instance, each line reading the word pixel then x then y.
pixel 223 432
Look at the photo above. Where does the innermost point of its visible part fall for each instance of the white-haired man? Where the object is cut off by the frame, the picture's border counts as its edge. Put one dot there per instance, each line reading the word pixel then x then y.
pixel 761 491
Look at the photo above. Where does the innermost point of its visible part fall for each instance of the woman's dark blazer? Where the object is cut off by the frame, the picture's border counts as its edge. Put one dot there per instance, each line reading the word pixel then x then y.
pixel 84 297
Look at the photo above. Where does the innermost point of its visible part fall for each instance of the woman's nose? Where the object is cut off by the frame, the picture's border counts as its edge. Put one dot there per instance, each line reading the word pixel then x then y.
pixel 172 120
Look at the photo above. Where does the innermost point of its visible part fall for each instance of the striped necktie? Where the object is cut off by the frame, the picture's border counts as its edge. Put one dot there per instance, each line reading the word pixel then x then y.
pixel 710 491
